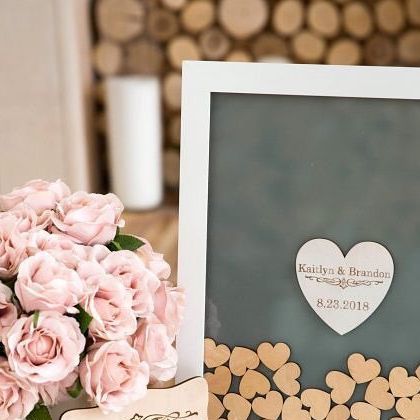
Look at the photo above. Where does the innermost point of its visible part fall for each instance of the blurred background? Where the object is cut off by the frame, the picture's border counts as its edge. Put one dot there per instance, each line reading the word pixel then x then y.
pixel 91 89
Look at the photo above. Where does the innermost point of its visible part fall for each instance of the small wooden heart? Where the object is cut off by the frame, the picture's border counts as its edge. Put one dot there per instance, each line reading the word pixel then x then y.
pixel 292 410
pixel 365 411
pixel 342 386
pixel 219 381
pixel 215 407
pixel 286 378
pixel 318 401
pixel 253 383
pixel 355 284
pixel 409 409
pixel 239 408
pixel 339 412
pixel 242 359
pixel 273 357
pixel 215 356
pixel 403 385
pixel 377 394
pixel 363 370
pixel 269 407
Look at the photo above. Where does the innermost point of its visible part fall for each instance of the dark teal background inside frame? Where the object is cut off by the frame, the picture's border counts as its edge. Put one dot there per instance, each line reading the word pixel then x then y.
pixel 286 169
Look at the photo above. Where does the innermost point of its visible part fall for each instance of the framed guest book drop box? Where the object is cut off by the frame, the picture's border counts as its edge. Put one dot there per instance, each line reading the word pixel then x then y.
pixel 300 226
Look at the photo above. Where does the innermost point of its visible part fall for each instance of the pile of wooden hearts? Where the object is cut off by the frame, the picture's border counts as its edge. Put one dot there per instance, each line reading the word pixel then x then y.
pixel 399 390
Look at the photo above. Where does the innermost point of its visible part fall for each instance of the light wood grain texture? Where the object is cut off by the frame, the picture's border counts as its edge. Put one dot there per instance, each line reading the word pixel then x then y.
pixel 364 411
pixel 268 45
pixel 390 16
pixel 243 18
pixel 268 407
pixel 162 24
pixel 198 15
pixel 242 359
pixel 288 17
pixel 324 18
pixel 377 394
pixel 214 44
pixel 174 4
pixel 215 355
pixel 237 406
pixel 339 412
pixel 182 48
pixel 403 385
pixel 409 47
pixel 273 357
pixel 344 51
pixel 292 410
pixel 308 47
pixel 144 57
pixel 363 370
pixel 342 386
pixel 409 408
pixel 239 56
pixel 380 50
pixel 286 379
pixel 413 11
pixel 171 167
pixel 107 58
pixel 172 90
pixel 318 401
pixel 253 383
pixel 357 19
pixel 219 382
pixel 215 408
pixel 120 20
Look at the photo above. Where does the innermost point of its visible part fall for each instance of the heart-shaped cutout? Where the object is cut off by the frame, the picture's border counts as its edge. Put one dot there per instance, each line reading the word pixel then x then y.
pixel 365 411
pixel 292 410
pixel 269 407
pixel 242 359
pixel 377 394
pixel 344 291
pixel 318 401
pixel 239 408
pixel 219 381
pixel 342 386
pixel 286 378
pixel 215 408
pixel 409 409
pixel 273 357
pixel 214 355
pixel 403 385
pixel 339 412
pixel 363 370
pixel 253 383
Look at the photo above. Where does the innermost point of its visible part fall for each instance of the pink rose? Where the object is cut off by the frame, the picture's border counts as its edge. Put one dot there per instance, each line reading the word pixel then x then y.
pixel 154 345
pixel 38 194
pixel 108 302
pixel 169 307
pixel 12 246
pixel 140 282
pixel 88 218
pixel 46 352
pixel 26 218
pixel 8 311
pixel 17 396
pixel 113 375
pixel 154 261
pixel 52 393
pixel 43 283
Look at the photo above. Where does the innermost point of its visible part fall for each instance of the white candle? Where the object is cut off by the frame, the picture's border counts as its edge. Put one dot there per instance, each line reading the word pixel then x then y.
pixel 135 140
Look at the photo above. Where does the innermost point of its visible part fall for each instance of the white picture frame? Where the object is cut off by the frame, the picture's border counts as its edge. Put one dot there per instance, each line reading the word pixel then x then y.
pixel 200 80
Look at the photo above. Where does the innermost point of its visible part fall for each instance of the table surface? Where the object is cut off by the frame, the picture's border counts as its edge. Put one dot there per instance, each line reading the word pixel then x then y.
pixel 160 228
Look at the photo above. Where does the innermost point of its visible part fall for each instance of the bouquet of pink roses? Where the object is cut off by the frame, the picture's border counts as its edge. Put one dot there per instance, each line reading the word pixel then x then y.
pixel 82 306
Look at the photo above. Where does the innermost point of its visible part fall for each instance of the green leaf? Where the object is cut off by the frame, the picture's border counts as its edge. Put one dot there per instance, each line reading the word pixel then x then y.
pixel 128 242
pixel 40 412
pixel 114 246
pixel 83 318
pixel 75 390
pixel 36 318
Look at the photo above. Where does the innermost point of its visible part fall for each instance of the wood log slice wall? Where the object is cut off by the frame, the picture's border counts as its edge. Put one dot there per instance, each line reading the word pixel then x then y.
pixel 155 36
